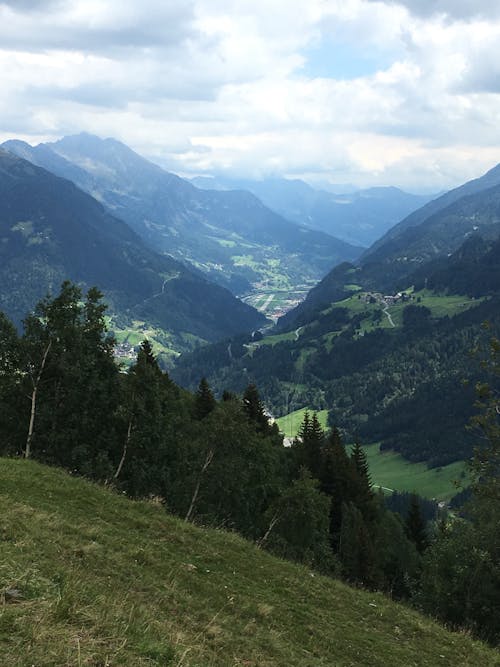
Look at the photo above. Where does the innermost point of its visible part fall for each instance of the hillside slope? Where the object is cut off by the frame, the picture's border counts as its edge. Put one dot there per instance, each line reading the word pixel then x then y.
pixel 489 180
pixel 88 577
pixel 51 231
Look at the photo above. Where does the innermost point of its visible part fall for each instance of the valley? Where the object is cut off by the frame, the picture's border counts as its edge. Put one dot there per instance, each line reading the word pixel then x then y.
pixel 249 334
pixel 378 352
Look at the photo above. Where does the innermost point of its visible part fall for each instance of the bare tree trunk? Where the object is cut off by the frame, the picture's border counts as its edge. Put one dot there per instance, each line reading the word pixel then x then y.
pixel 31 428
pixel 125 447
pixel 272 523
pixel 208 461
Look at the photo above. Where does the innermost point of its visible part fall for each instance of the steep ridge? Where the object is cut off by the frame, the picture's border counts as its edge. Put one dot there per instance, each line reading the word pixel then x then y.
pixel 488 180
pixel 90 577
pixel 51 231
pixel 230 236
pixel 394 263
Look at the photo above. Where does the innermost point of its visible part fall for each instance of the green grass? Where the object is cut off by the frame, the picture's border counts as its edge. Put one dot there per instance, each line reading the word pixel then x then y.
pixel 391 471
pixel 289 425
pixel 440 305
pixel 107 581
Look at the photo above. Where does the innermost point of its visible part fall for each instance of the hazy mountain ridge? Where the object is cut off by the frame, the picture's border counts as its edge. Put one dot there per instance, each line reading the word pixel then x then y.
pixel 359 217
pixel 490 179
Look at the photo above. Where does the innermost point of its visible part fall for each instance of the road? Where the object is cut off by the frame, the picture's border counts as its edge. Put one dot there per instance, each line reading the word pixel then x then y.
pixel 389 317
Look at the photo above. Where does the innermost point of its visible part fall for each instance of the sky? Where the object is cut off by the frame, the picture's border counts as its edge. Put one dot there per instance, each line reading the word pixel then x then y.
pixel 366 92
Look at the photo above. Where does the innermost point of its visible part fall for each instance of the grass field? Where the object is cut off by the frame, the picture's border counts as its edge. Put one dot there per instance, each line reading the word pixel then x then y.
pixel 103 581
pixel 289 425
pixel 390 470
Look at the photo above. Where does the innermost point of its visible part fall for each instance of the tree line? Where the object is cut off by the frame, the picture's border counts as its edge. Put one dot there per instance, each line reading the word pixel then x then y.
pixel 65 401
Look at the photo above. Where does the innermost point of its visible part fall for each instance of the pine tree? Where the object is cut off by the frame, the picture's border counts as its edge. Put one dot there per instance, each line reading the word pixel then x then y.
pixel 337 479
pixel 356 551
pixel 298 525
pixel 204 402
pixel 254 409
pixel 363 496
pixel 415 526
pixel 147 398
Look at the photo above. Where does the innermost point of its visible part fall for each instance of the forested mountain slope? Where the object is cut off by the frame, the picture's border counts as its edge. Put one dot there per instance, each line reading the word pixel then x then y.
pixel 230 236
pixel 389 365
pixel 90 577
pixel 485 182
pixel 51 231
pixel 414 254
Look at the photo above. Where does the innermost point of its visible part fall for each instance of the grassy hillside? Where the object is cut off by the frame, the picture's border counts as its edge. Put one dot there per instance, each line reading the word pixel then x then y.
pixel 88 577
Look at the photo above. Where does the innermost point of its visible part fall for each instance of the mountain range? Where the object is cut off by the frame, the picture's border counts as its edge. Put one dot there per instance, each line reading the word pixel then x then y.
pixel 360 217
pixel 50 231
pixel 231 237
pixel 384 345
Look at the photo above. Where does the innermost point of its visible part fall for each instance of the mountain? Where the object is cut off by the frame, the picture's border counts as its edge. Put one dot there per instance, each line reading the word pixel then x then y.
pixel 230 236
pixel 51 231
pixel 359 217
pixel 385 346
pixel 485 182
pixel 101 579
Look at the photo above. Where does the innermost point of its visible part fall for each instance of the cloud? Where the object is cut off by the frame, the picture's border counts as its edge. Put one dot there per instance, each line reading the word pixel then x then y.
pixel 94 26
pixel 212 85
pixel 455 9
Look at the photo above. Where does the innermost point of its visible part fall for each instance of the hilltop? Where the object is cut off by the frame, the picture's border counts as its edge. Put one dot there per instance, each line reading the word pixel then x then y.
pixel 89 577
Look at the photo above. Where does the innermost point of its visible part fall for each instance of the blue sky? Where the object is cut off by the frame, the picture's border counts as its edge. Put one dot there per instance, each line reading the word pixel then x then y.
pixel 370 92
pixel 337 59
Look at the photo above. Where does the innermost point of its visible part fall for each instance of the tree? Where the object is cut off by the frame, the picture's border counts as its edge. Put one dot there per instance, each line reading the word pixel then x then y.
pixel 461 570
pixel 362 486
pixel 12 436
pixel 299 525
pixel 308 445
pixel 205 401
pixel 356 551
pixel 337 480
pixel 415 526
pixel 254 409
pixel 71 380
pixel 146 409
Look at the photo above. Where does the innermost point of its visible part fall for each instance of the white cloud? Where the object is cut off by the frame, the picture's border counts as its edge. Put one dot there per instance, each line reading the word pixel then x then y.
pixel 455 9
pixel 209 85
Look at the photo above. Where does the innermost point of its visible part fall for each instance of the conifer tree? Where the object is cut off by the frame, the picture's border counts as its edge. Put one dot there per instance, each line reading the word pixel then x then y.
pixel 254 409
pixel 337 479
pixel 356 548
pixel 308 445
pixel 147 394
pixel 363 496
pixel 204 401
pixel 298 526
pixel 415 526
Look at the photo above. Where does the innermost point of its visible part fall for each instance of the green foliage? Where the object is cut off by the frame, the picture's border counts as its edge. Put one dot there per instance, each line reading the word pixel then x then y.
pixel 461 575
pixel 204 401
pixel 415 526
pixel 299 525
